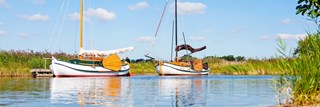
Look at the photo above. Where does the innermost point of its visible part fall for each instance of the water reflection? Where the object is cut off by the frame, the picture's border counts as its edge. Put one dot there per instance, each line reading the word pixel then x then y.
pixel 112 87
pixel 96 91
pixel 139 91
pixel 17 91
pixel 184 91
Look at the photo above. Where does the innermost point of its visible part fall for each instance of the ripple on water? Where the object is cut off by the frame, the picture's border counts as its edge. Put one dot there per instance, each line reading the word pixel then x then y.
pixel 212 90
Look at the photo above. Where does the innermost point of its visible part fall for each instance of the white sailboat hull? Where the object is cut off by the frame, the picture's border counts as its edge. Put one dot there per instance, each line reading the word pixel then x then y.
pixel 170 69
pixel 65 69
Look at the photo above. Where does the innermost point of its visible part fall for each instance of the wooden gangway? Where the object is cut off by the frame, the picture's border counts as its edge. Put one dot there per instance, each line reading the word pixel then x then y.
pixel 41 73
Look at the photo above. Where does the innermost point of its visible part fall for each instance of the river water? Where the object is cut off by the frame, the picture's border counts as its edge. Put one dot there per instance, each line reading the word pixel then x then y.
pixel 173 91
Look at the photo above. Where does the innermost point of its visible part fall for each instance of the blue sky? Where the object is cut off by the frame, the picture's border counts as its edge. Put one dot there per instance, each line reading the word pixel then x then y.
pixel 247 28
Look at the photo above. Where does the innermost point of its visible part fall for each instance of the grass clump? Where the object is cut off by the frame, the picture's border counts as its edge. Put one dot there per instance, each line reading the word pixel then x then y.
pixel 247 67
pixel 301 73
pixel 145 67
pixel 18 63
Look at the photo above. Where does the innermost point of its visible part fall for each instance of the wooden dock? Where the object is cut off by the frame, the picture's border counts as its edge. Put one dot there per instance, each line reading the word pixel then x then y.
pixel 41 73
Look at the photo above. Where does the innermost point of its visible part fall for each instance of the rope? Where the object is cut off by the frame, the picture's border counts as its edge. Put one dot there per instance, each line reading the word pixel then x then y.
pixel 164 10
pixel 91 32
pixel 61 26
pixel 56 24
pixel 158 27
pixel 185 44
pixel 75 37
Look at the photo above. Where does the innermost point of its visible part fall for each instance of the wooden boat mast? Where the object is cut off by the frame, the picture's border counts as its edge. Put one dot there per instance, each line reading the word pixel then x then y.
pixel 81 23
pixel 176 27
pixel 81 27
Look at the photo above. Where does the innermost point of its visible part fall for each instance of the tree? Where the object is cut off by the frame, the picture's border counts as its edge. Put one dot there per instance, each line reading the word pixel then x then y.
pixel 308 45
pixel 240 58
pixel 187 57
pixel 228 58
pixel 311 8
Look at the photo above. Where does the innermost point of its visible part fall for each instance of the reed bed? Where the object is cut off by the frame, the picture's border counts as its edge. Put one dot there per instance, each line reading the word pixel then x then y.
pixel 301 73
pixel 143 68
pixel 248 67
pixel 18 63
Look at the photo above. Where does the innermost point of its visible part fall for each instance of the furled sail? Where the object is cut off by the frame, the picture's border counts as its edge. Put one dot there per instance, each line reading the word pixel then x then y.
pixel 104 53
pixel 188 47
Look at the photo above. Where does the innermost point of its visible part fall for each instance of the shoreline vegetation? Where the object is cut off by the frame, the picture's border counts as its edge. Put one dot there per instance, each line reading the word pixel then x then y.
pixel 299 83
pixel 18 63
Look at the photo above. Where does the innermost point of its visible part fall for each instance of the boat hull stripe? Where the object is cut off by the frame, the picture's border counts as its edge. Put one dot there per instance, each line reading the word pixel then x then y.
pixel 88 70
pixel 184 70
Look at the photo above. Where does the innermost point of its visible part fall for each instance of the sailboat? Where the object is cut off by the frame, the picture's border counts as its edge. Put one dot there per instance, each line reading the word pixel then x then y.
pixel 179 67
pixel 92 63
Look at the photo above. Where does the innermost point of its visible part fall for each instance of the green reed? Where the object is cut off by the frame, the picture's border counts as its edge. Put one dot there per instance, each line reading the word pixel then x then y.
pixel 301 73
pixel 248 67
pixel 16 63
pixel 143 68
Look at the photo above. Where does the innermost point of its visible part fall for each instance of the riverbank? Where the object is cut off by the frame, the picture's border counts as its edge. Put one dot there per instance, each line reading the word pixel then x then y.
pixel 19 63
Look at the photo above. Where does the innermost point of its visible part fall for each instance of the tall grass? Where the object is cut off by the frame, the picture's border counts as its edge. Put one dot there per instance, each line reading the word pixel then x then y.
pixel 19 62
pixel 248 67
pixel 143 68
pixel 301 74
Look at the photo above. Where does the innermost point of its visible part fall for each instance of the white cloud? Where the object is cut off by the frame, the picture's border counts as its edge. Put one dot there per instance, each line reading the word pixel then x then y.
pixel 284 36
pixel 286 21
pixel 23 35
pixel 145 39
pixel 291 36
pixel 197 38
pixel 74 16
pixel 38 2
pixel 2 33
pixel 4 4
pixel 37 17
pixel 100 13
pixel 138 6
pixel 186 8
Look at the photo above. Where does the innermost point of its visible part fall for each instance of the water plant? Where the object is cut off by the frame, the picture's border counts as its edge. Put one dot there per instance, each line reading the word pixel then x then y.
pixel 301 73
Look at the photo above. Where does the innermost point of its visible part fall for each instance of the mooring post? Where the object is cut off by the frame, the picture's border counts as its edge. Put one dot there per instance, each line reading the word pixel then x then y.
pixel 45 62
